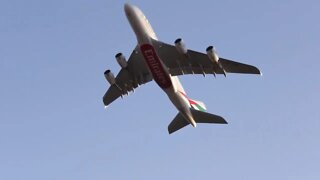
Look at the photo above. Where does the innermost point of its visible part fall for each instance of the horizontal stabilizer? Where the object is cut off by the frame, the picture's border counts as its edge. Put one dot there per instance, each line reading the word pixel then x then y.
pixel 177 123
pixel 204 117
pixel 199 116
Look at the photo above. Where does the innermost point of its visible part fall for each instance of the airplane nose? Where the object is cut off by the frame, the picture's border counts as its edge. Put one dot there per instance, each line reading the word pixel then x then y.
pixel 127 8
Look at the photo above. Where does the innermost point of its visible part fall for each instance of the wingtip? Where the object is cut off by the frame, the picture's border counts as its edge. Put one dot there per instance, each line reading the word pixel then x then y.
pixel 261 74
pixel 170 131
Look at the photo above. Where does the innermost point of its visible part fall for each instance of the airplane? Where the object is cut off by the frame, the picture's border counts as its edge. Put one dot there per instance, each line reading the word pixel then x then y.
pixel 152 59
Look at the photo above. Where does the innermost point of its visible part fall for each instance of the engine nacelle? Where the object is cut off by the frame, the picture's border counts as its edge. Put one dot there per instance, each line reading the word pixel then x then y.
pixel 212 54
pixel 121 60
pixel 180 46
pixel 110 77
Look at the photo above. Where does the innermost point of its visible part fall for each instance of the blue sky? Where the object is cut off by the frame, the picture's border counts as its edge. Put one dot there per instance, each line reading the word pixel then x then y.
pixel 53 124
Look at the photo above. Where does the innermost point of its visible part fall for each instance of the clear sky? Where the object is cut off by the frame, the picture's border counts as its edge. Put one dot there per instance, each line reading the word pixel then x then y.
pixel 53 124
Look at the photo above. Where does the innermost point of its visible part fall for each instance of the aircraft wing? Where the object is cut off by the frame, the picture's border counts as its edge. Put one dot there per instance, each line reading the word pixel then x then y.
pixel 129 78
pixel 198 63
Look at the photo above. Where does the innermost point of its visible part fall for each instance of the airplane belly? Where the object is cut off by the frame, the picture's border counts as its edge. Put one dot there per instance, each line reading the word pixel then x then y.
pixel 157 69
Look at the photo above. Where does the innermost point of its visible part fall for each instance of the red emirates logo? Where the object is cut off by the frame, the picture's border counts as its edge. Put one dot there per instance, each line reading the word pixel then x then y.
pixel 155 66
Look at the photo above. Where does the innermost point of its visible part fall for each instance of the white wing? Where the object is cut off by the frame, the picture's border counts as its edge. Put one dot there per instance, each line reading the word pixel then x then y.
pixel 198 63
pixel 129 78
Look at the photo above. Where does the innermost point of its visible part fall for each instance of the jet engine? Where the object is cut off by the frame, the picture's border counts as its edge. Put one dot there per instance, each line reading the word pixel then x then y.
pixel 212 54
pixel 180 46
pixel 121 60
pixel 110 77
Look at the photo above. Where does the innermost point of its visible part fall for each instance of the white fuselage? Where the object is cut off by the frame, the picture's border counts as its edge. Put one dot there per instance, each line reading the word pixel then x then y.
pixel 170 84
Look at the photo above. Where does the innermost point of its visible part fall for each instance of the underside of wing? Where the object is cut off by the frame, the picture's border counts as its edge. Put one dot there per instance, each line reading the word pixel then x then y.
pixel 129 78
pixel 194 62
pixel 236 67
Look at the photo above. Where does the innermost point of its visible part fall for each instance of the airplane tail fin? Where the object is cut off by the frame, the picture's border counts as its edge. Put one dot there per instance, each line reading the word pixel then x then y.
pixel 199 116
pixel 195 104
